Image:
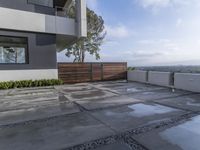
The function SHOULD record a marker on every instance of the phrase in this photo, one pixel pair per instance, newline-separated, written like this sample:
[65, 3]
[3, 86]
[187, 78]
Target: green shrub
[29, 83]
[131, 68]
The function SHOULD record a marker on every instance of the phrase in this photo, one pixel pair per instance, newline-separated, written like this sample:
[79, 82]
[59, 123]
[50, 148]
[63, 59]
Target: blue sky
[149, 32]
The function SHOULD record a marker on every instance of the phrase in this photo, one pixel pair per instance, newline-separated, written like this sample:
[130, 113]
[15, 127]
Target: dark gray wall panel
[41, 51]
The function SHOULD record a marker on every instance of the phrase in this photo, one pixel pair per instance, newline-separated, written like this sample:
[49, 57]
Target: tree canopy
[90, 44]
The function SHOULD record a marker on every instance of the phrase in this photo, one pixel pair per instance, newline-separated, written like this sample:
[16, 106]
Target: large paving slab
[110, 84]
[119, 84]
[158, 94]
[189, 102]
[21, 93]
[31, 101]
[74, 88]
[136, 115]
[4, 93]
[31, 90]
[107, 102]
[185, 136]
[89, 95]
[57, 133]
[135, 88]
[19, 110]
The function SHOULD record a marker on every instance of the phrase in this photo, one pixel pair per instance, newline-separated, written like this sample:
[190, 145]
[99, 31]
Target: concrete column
[81, 18]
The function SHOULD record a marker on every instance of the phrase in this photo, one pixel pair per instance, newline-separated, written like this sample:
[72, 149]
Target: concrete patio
[99, 116]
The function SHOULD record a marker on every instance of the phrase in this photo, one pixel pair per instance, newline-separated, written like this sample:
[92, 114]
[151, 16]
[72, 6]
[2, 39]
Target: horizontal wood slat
[89, 72]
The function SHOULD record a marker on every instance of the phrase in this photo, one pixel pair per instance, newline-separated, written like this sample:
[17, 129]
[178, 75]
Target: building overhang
[67, 30]
[62, 3]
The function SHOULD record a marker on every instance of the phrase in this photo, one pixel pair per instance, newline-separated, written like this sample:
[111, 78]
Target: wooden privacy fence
[89, 72]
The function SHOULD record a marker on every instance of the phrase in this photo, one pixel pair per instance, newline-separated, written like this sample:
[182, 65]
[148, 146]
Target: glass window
[48, 3]
[13, 50]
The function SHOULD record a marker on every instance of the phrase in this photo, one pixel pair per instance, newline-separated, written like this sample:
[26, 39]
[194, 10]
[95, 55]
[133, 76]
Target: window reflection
[13, 50]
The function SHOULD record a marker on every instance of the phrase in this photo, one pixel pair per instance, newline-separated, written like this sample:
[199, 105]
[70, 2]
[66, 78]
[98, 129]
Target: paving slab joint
[30, 122]
[126, 137]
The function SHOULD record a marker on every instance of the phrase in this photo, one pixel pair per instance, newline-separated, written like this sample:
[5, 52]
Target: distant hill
[181, 69]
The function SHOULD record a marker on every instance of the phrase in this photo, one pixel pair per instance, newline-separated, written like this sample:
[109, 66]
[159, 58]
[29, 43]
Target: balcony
[67, 29]
[12, 19]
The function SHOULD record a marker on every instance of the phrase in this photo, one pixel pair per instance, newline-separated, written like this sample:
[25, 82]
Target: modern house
[31, 33]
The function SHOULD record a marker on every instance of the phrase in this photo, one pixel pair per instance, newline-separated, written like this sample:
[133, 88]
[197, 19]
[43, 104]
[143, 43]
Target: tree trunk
[82, 53]
[83, 56]
[16, 55]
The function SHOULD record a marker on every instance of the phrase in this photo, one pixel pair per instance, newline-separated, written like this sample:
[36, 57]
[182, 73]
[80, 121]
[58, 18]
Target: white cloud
[111, 43]
[141, 54]
[179, 22]
[159, 47]
[146, 41]
[154, 3]
[154, 41]
[119, 31]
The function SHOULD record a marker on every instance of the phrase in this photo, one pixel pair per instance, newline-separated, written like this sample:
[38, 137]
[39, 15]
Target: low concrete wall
[17, 75]
[137, 75]
[187, 81]
[183, 81]
[160, 78]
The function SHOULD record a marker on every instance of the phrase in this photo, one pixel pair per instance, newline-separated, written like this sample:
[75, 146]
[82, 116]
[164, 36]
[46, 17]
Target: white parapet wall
[17, 75]
[160, 78]
[137, 75]
[13, 19]
[187, 81]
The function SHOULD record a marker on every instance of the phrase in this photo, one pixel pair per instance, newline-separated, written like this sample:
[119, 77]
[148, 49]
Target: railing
[89, 72]
[64, 12]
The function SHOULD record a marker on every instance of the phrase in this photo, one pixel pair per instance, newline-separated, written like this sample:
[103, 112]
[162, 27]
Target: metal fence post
[91, 72]
[102, 70]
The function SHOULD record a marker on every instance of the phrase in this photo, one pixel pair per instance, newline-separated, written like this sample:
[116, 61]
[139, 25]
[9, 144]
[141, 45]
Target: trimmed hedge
[29, 83]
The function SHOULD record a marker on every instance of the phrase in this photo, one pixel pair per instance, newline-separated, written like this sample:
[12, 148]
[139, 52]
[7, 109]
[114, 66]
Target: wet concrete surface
[28, 114]
[158, 94]
[133, 116]
[107, 102]
[89, 95]
[4, 92]
[189, 102]
[24, 109]
[184, 136]
[95, 116]
[53, 134]
[137, 88]
[30, 102]
[75, 88]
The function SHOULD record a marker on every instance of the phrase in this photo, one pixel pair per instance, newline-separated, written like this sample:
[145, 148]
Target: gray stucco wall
[138, 76]
[24, 5]
[160, 78]
[41, 51]
[187, 81]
